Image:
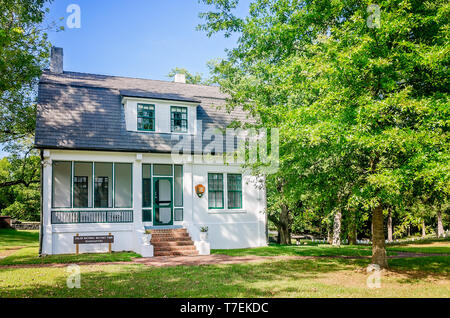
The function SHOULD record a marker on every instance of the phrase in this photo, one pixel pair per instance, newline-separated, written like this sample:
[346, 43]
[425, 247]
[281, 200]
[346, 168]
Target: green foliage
[24, 51]
[363, 112]
[21, 198]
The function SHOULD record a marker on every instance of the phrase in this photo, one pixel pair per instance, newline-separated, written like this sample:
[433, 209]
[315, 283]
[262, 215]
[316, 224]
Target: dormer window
[179, 121]
[146, 117]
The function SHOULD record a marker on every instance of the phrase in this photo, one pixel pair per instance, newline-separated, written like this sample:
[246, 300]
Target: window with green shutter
[234, 187]
[179, 119]
[215, 190]
[146, 117]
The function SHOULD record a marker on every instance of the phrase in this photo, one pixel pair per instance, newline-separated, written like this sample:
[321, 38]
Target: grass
[436, 246]
[301, 250]
[30, 255]
[325, 277]
[320, 277]
[11, 238]
[22, 247]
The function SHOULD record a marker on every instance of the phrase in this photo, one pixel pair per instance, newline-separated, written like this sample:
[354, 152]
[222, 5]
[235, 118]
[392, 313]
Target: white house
[107, 147]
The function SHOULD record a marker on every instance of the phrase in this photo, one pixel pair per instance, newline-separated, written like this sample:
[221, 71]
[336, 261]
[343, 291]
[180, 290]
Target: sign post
[78, 246]
[95, 239]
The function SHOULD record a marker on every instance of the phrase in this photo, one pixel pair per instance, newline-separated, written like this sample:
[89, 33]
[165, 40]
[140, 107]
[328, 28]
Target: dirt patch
[8, 251]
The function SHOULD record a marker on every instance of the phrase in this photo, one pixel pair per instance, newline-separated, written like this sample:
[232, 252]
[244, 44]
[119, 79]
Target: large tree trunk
[352, 228]
[389, 226]
[440, 227]
[424, 233]
[329, 240]
[337, 228]
[284, 233]
[378, 241]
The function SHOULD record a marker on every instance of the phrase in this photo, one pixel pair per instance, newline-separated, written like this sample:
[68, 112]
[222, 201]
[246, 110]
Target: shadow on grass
[269, 279]
[305, 250]
[11, 237]
[30, 256]
[236, 280]
[422, 267]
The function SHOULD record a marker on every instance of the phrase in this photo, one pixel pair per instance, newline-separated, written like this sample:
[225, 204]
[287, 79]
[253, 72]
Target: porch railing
[108, 216]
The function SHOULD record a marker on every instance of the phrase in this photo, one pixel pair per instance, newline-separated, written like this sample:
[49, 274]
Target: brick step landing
[172, 242]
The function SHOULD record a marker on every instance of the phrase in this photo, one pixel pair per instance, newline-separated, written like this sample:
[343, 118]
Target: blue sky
[137, 38]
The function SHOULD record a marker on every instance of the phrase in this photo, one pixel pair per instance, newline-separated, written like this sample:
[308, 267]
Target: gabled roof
[84, 111]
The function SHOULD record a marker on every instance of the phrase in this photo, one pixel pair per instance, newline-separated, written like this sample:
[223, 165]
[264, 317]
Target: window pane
[178, 185]
[234, 187]
[215, 190]
[103, 185]
[82, 185]
[179, 119]
[122, 185]
[61, 196]
[162, 170]
[178, 214]
[146, 186]
[146, 117]
[147, 215]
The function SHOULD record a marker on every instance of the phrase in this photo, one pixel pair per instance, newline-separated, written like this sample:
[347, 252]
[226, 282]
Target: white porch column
[47, 247]
[187, 194]
[141, 242]
[137, 192]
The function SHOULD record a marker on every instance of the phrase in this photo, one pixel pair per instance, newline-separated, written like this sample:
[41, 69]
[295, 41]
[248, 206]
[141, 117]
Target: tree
[24, 51]
[344, 92]
[20, 200]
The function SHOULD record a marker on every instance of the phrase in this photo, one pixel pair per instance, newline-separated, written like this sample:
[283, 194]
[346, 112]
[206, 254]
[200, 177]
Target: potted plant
[203, 233]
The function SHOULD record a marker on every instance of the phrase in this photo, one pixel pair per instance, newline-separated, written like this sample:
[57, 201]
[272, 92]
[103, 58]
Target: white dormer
[148, 115]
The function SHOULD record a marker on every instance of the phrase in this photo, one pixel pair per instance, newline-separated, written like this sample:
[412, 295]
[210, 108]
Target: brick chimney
[56, 60]
[180, 78]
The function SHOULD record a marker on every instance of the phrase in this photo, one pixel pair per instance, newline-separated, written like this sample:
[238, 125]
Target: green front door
[163, 201]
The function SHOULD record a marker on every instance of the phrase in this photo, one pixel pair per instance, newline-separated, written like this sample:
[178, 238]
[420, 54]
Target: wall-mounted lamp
[200, 190]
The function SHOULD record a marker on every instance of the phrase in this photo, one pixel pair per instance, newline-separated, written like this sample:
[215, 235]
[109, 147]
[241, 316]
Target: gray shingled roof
[84, 111]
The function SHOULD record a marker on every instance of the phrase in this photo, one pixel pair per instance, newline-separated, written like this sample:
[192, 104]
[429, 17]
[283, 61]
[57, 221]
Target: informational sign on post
[93, 239]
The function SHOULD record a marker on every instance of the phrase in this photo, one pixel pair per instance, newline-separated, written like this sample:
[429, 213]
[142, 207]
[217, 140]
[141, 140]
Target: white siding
[227, 228]
[162, 114]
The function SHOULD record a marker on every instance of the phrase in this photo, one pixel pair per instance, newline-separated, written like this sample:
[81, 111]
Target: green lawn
[30, 255]
[436, 246]
[325, 277]
[320, 277]
[301, 250]
[22, 247]
[11, 238]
